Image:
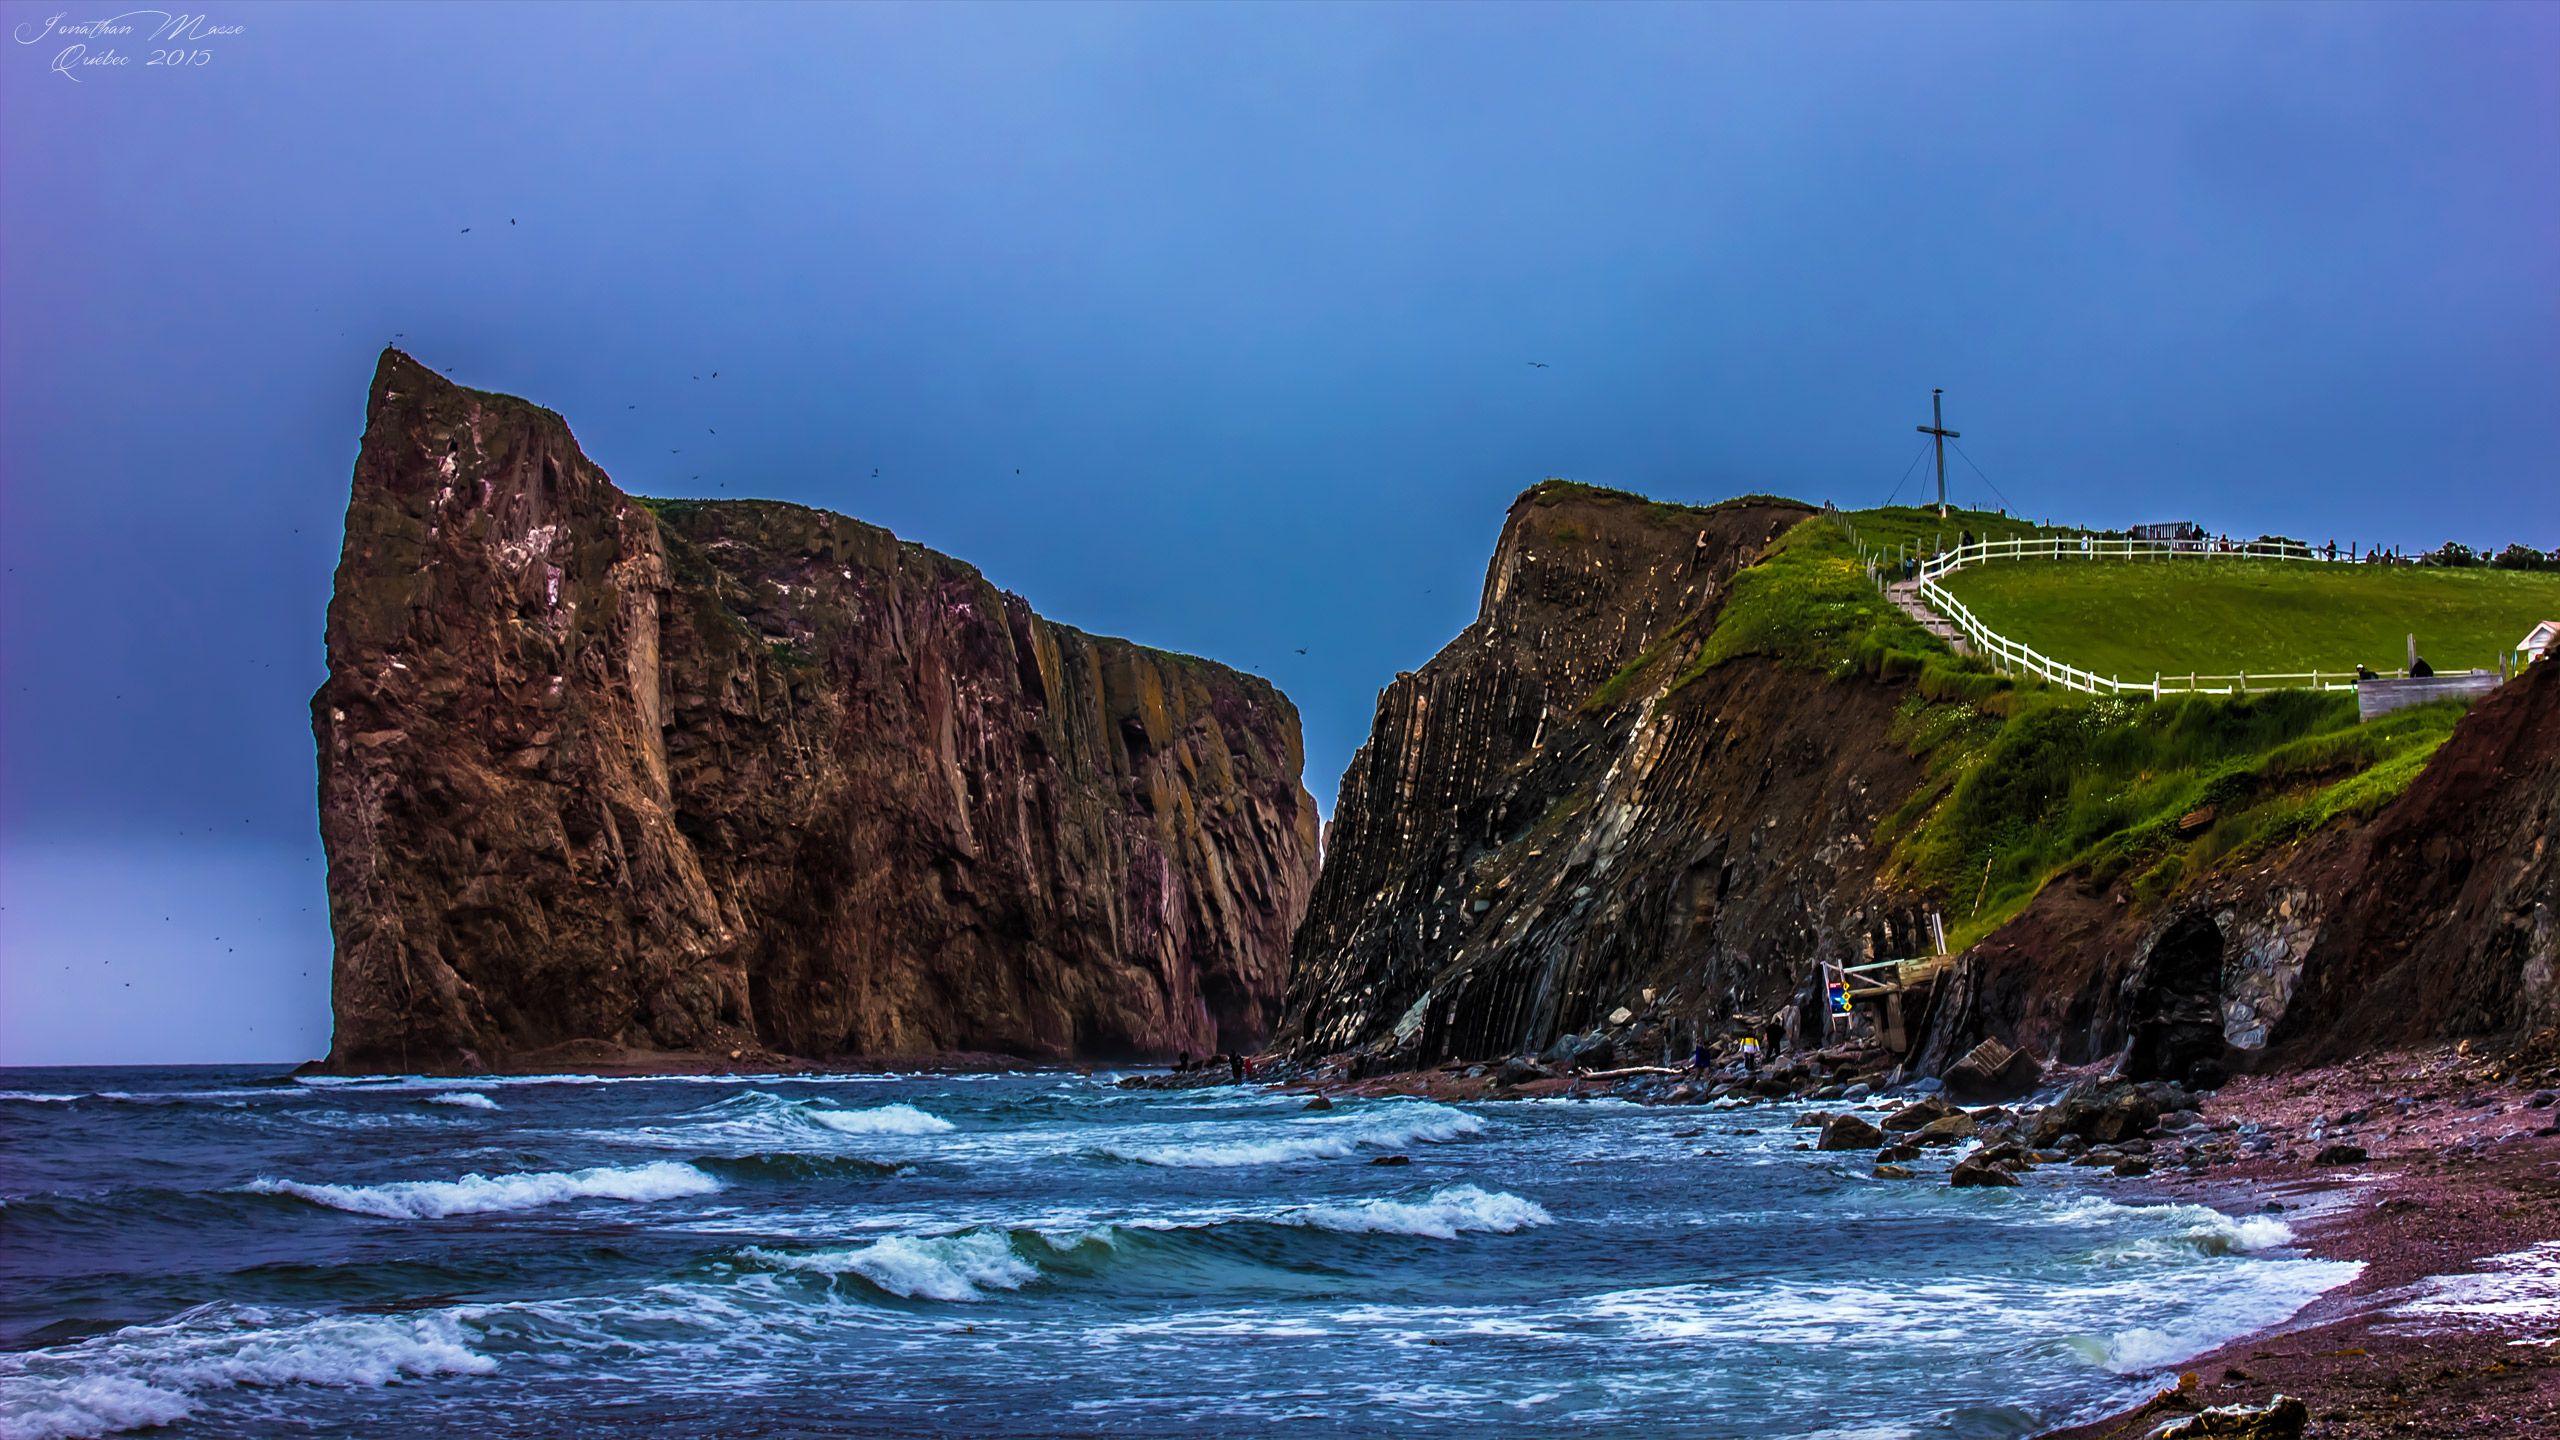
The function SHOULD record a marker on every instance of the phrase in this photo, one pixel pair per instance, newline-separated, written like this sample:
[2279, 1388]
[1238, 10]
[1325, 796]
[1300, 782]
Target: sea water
[233, 1252]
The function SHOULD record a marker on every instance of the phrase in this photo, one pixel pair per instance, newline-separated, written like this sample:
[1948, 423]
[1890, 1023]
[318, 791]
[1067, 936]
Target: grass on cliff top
[2217, 615]
[2026, 783]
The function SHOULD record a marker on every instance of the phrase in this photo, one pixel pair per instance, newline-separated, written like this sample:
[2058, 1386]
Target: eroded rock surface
[701, 776]
[1517, 856]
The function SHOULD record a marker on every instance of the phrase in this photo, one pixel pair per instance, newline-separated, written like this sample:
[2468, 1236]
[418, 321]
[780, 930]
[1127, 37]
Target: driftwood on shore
[1628, 1070]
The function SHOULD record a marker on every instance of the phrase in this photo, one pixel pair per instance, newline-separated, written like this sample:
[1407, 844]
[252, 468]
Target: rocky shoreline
[2437, 1169]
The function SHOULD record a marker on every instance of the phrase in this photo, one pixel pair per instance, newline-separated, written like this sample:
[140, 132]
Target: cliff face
[2438, 918]
[741, 774]
[1555, 822]
[1510, 862]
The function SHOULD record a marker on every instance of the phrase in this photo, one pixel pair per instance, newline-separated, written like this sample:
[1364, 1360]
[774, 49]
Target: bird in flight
[466, 229]
[1537, 364]
[1302, 649]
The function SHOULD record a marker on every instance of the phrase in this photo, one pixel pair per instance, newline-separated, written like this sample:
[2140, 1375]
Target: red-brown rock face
[697, 776]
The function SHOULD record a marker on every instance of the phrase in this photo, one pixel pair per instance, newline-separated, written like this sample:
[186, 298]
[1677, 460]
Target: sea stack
[601, 775]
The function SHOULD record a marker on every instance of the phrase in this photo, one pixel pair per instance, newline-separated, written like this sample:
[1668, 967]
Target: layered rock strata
[1515, 856]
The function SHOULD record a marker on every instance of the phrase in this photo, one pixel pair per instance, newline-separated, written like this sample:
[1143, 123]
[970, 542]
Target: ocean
[234, 1252]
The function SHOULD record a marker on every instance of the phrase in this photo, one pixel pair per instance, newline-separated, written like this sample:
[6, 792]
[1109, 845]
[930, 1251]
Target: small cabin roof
[2541, 636]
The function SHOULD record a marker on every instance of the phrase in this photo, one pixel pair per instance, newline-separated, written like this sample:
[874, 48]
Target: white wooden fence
[2014, 656]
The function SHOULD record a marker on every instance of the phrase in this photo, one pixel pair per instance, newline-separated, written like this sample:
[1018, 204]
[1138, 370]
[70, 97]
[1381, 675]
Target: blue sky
[1248, 297]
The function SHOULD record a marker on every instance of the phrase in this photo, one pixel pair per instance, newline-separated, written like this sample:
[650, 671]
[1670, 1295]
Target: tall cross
[1938, 426]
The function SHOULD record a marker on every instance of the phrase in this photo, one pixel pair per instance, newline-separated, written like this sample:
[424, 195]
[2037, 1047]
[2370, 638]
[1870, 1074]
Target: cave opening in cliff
[2177, 1012]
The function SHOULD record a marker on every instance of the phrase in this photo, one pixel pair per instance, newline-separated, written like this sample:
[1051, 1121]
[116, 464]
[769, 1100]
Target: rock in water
[1849, 1132]
[695, 776]
[1975, 1170]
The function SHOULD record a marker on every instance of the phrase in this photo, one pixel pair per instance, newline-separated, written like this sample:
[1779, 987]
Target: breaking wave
[955, 1268]
[761, 1121]
[151, 1375]
[879, 1120]
[963, 1266]
[1393, 1128]
[480, 1194]
[2199, 1228]
[465, 1099]
[1442, 1215]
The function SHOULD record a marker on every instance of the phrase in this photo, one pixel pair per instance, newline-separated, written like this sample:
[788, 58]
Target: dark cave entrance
[2177, 1014]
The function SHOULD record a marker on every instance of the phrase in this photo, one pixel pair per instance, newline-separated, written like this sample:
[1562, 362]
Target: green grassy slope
[2027, 783]
[2216, 615]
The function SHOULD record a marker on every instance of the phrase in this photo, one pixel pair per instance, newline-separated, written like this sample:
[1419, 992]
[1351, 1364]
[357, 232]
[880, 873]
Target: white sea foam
[465, 1099]
[1332, 1138]
[761, 1120]
[31, 1097]
[880, 1120]
[2261, 1294]
[477, 1194]
[150, 1375]
[2200, 1227]
[2517, 1290]
[956, 1268]
[1442, 1215]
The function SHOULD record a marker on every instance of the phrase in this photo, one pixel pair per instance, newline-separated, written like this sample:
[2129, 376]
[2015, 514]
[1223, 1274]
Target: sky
[1212, 327]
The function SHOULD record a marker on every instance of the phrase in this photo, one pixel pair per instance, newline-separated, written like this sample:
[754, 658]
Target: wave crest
[1444, 1214]
[150, 1375]
[478, 1194]
[464, 1099]
[1393, 1128]
[957, 1268]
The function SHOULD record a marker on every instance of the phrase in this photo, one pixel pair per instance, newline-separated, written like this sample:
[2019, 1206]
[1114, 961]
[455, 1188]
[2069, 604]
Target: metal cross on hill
[1938, 426]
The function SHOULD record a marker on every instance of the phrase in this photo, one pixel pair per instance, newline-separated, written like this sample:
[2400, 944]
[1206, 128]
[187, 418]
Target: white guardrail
[2011, 654]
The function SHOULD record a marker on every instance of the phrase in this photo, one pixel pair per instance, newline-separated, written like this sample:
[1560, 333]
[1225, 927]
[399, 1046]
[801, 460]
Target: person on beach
[1235, 1067]
[1698, 1059]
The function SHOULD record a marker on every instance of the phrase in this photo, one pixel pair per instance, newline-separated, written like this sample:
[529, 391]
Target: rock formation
[1516, 856]
[704, 776]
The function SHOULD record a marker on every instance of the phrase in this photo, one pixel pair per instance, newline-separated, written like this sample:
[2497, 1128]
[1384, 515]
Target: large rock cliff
[697, 776]
[1516, 854]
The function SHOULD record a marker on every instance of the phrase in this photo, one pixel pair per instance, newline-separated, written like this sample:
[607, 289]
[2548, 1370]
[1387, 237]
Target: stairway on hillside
[1905, 594]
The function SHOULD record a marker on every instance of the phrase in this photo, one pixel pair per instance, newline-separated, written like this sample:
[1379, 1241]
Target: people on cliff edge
[2364, 672]
[2421, 669]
